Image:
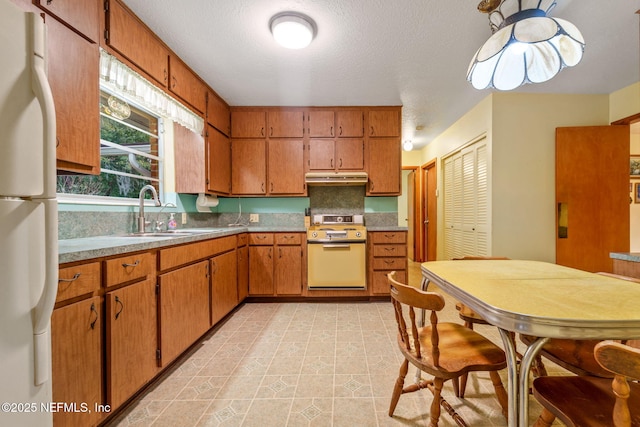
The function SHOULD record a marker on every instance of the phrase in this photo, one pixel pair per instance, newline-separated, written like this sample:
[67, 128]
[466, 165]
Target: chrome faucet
[142, 223]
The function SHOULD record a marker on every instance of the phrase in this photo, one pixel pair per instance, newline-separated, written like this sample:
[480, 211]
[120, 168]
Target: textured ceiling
[413, 53]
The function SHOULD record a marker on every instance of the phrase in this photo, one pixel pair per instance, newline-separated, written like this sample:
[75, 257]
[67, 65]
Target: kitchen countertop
[72, 250]
[625, 256]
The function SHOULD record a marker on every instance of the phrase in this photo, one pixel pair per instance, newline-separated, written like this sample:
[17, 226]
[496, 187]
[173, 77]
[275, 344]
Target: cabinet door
[219, 162]
[186, 85]
[189, 160]
[248, 124]
[384, 166]
[73, 67]
[82, 15]
[288, 270]
[218, 114]
[243, 273]
[321, 124]
[131, 38]
[183, 300]
[261, 270]
[132, 340]
[286, 167]
[76, 348]
[224, 285]
[350, 154]
[321, 154]
[249, 172]
[350, 123]
[384, 123]
[286, 124]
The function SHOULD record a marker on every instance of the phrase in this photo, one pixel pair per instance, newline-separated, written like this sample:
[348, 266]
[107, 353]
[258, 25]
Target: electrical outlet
[254, 218]
[184, 218]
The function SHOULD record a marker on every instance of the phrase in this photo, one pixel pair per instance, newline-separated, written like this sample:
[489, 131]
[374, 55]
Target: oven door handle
[337, 245]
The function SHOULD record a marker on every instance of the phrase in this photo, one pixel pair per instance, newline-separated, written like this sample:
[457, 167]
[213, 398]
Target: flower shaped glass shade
[526, 47]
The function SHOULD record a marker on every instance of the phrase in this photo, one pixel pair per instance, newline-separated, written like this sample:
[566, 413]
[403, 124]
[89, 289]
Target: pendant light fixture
[293, 30]
[527, 45]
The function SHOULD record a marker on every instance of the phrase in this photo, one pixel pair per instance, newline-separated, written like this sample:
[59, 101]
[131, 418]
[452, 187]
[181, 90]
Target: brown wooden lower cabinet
[288, 270]
[224, 285]
[77, 376]
[131, 320]
[276, 264]
[243, 267]
[387, 252]
[183, 299]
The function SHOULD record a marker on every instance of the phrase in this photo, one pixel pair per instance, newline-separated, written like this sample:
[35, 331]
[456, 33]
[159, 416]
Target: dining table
[540, 299]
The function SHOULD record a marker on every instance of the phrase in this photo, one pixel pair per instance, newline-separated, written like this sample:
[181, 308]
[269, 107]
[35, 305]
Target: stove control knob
[358, 234]
[314, 234]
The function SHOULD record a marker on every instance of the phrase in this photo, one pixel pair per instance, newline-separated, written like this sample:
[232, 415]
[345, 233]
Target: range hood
[336, 178]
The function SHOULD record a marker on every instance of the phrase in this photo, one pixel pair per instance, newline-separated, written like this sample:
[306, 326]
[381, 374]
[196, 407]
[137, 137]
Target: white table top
[542, 299]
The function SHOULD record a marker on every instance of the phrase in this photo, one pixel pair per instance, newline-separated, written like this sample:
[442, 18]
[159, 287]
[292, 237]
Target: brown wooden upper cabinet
[286, 167]
[340, 154]
[349, 124]
[218, 113]
[321, 124]
[385, 169]
[73, 68]
[81, 15]
[131, 38]
[248, 124]
[286, 124]
[186, 85]
[384, 123]
[249, 174]
[190, 163]
[218, 162]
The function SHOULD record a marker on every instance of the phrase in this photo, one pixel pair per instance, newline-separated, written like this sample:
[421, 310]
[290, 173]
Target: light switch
[184, 218]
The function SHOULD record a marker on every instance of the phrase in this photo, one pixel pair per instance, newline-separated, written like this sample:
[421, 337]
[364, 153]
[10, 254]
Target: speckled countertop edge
[626, 256]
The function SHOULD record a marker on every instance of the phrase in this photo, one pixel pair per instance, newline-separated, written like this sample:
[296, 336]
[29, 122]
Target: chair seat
[583, 401]
[467, 351]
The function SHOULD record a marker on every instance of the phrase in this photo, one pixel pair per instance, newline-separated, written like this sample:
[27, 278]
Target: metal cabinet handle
[340, 161]
[119, 301]
[262, 131]
[373, 132]
[331, 163]
[269, 253]
[390, 249]
[271, 131]
[262, 187]
[332, 131]
[340, 131]
[49, 2]
[73, 279]
[94, 311]
[280, 252]
[135, 264]
[272, 187]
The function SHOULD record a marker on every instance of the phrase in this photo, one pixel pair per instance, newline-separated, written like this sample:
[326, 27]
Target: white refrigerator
[28, 220]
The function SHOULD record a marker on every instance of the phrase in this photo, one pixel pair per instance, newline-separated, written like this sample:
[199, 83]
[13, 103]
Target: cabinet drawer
[389, 250]
[243, 239]
[389, 237]
[380, 283]
[257, 239]
[389, 263]
[127, 268]
[288, 239]
[185, 254]
[78, 280]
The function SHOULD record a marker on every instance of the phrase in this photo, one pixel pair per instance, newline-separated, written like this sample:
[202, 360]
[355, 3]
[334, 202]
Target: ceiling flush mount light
[407, 145]
[527, 46]
[293, 30]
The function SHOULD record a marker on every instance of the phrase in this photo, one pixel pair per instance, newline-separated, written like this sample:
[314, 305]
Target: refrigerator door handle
[42, 90]
[44, 308]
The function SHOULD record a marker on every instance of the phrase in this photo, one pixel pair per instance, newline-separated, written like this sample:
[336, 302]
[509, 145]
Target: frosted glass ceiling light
[292, 30]
[408, 145]
[527, 46]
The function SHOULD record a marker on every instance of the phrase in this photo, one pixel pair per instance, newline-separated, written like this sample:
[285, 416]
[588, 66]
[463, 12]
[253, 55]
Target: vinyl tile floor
[306, 364]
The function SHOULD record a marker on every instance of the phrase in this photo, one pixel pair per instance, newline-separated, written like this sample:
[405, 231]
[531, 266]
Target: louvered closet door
[466, 202]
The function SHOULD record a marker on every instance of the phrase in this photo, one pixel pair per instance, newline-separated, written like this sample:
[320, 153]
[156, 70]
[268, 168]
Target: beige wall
[625, 102]
[523, 167]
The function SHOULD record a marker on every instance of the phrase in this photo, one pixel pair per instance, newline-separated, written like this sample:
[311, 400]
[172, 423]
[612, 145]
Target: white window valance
[120, 79]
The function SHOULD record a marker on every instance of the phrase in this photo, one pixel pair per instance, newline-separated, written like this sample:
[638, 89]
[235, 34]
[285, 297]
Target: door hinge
[157, 289]
[158, 354]
[106, 35]
[106, 5]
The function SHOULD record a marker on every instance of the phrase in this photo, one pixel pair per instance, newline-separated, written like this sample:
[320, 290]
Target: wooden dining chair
[470, 318]
[444, 350]
[587, 401]
[574, 355]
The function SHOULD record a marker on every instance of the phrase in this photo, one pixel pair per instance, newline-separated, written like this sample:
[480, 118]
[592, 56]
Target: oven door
[337, 265]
